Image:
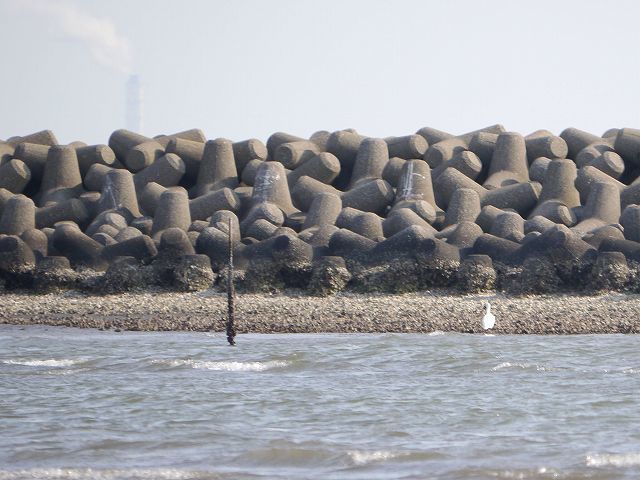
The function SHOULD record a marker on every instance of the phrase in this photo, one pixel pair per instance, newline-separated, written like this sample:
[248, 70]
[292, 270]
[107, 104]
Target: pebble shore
[298, 313]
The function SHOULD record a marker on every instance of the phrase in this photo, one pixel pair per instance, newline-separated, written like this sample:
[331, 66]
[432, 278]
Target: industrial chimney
[134, 104]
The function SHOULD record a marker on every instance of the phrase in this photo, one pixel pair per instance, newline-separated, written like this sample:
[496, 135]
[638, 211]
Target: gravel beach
[297, 313]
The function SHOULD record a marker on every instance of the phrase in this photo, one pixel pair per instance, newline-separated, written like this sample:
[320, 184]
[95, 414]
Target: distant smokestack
[134, 104]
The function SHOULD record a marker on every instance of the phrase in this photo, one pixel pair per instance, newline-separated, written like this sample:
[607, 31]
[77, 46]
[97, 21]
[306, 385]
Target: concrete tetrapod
[509, 161]
[463, 207]
[278, 138]
[217, 168]
[590, 153]
[271, 186]
[190, 153]
[371, 159]
[247, 150]
[324, 210]
[119, 193]
[18, 215]
[34, 157]
[608, 162]
[558, 195]
[141, 247]
[543, 143]
[61, 179]
[344, 144]
[538, 169]
[366, 224]
[576, 140]
[134, 150]
[167, 171]
[81, 250]
[465, 161]
[221, 220]
[265, 210]
[193, 134]
[37, 241]
[401, 218]
[16, 258]
[72, 210]
[597, 236]
[509, 225]
[589, 176]
[463, 235]
[206, 205]
[172, 212]
[324, 167]
[407, 147]
[43, 137]
[415, 183]
[602, 208]
[483, 144]
[521, 197]
[294, 154]
[392, 171]
[14, 175]
[347, 244]
[94, 154]
[627, 144]
[630, 220]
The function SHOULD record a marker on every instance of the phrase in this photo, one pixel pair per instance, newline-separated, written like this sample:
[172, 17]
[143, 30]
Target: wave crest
[104, 474]
[523, 366]
[224, 366]
[364, 458]
[52, 362]
[613, 460]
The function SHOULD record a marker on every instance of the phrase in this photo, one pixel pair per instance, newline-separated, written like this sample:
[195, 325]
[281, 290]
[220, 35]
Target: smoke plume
[106, 45]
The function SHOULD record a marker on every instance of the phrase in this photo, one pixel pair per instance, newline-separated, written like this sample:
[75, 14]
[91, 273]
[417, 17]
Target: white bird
[489, 319]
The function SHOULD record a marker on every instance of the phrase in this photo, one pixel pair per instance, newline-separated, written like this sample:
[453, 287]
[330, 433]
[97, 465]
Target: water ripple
[106, 474]
[52, 362]
[223, 366]
[181, 405]
[613, 460]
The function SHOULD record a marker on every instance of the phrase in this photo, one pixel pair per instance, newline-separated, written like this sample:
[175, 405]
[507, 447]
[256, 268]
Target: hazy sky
[241, 69]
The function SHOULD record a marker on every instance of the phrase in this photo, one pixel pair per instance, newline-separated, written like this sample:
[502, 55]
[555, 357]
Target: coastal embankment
[345, 312]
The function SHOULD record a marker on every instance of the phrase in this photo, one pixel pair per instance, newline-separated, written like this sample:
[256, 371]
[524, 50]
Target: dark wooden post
[231, 297]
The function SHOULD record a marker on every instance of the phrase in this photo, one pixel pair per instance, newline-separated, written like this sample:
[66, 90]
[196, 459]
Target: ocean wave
[613, 460]
[105, 474]
[224, 366]
[522, 366]
[52, 362]
[359, 457]
[631, 370]
[310, 455]
[518, 474]
[547, 368]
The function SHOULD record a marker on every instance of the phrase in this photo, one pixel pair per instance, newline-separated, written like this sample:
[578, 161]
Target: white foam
[52, 362]
[523, 366]
[225, 366]
[436, 333]
[103, 474]
[363, 458]
[613, 460]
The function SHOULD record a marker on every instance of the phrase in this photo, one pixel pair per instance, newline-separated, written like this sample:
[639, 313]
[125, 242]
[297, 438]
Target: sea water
[86, 404]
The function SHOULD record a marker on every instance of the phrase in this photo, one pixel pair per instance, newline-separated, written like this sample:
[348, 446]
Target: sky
[247, 68]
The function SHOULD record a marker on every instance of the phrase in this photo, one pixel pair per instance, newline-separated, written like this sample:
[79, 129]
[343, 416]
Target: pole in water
[231, 307]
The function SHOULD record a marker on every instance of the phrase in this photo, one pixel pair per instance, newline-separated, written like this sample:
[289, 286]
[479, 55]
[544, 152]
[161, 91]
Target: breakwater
[488, 209]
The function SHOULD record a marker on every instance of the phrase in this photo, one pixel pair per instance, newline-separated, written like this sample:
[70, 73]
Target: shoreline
[294, 312]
